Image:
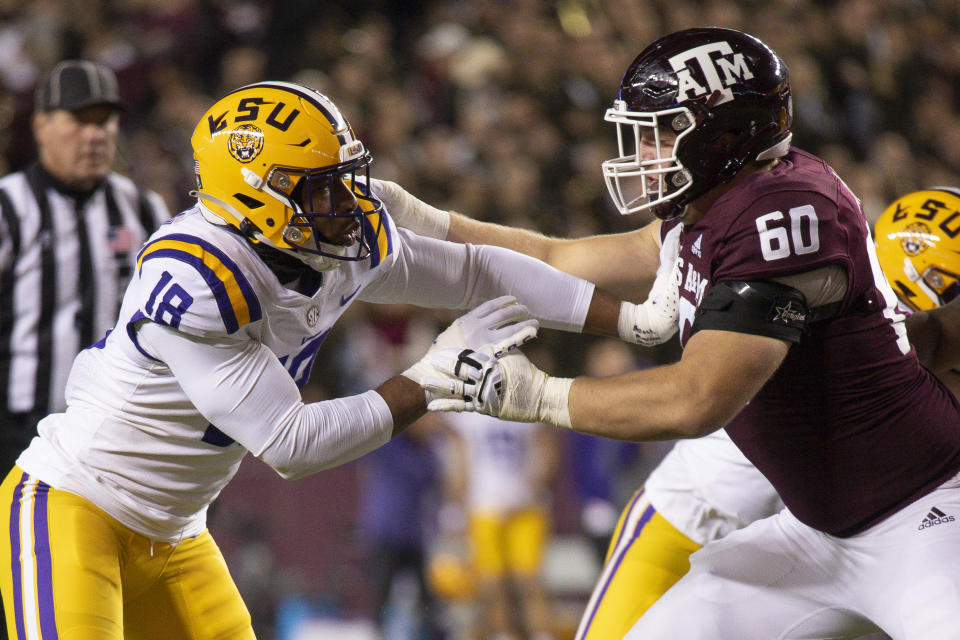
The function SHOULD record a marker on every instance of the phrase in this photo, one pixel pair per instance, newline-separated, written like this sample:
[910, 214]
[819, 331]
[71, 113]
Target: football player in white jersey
[918, 246]
[220, 325]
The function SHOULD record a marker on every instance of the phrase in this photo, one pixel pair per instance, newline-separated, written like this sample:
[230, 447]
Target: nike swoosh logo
[345, 299]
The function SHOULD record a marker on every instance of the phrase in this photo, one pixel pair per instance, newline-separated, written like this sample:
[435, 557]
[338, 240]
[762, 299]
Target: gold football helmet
[275, 159]
[918, 244]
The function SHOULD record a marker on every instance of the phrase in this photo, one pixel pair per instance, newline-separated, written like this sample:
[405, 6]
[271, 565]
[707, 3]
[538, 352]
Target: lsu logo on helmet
[915, 239]
[245, 142]
[269, 158]
[918, 246]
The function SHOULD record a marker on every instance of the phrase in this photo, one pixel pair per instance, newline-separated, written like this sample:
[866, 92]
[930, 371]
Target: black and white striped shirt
[65, 260]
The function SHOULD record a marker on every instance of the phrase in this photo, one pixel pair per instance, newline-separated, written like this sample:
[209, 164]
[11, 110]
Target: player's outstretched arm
[446, 274]
[239, 386]
[624, 264]
[719, 373]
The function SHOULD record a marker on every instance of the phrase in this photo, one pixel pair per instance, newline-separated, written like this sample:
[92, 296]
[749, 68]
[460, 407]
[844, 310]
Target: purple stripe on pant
[617, 559]
[48, 623]
[15, 555]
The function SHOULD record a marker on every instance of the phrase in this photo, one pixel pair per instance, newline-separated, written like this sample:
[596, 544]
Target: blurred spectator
[607, 471]
[862, 69]
[509, 472]
[399, 485]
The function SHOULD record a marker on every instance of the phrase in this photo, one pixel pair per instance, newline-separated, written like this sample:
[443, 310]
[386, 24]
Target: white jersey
[706, 488]
[500, 461]
[153, 440]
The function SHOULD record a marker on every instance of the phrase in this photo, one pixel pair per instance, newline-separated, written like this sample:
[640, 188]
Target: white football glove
[410, 212]
[450, 374]
[494, 327]
[510, 388]
[657, 319]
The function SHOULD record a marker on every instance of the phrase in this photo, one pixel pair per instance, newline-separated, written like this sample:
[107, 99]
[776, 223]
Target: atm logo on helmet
[718, 72]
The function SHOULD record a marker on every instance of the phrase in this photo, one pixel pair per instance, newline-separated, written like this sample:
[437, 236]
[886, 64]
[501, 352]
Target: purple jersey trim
[217, 286]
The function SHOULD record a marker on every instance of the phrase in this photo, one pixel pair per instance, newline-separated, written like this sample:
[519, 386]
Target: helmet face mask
[726, 97]
[280, 163]
[918, 246]
[325, 210]
[647, 170]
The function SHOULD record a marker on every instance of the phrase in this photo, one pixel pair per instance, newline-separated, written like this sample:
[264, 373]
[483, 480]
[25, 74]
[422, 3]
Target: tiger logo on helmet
[918, 246]
[245, 142]
[269, 158]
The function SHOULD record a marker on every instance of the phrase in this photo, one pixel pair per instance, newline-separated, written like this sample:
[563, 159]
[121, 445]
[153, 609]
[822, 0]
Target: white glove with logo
[495, 327]
[409, 212]
[657, 319]
[510, 388]
[450, 375]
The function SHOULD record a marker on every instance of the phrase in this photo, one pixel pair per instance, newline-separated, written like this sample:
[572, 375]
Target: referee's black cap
[76, 84]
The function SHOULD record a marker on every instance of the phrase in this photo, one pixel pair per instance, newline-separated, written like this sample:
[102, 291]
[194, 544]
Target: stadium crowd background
[489, 107]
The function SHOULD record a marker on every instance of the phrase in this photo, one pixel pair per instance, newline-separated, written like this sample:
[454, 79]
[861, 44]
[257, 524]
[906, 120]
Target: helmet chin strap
[209, 215]
[776, 151]
[914, 276]
[315, 261]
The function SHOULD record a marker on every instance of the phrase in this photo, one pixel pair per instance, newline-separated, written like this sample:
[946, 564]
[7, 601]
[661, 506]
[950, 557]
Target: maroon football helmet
[700, 104]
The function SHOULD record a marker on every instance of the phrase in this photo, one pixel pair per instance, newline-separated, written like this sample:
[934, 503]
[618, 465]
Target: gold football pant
[647, 555]
[508, 543]
[73, 572]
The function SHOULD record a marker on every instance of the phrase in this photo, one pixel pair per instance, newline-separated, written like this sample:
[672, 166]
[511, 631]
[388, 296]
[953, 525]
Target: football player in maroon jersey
[792, 342]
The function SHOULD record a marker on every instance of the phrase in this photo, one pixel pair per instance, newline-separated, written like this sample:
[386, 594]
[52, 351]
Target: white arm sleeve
[437, 273]
[241, 388]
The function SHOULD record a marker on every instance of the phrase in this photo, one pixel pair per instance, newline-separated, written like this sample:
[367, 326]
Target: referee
[70, 230]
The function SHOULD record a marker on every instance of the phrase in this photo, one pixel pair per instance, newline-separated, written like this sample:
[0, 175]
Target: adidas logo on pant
[934, 518]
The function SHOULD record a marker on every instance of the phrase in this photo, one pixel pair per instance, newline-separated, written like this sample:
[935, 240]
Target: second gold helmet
[918, 245]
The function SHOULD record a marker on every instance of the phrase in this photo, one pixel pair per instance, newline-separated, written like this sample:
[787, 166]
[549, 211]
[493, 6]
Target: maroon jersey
[851, 427]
